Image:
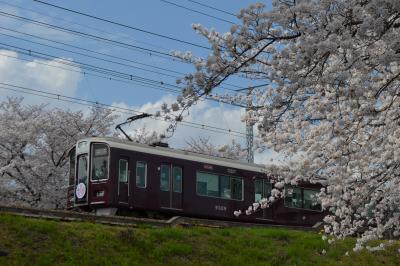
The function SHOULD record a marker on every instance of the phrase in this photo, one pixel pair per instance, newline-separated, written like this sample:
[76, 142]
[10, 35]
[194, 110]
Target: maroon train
[109, 175]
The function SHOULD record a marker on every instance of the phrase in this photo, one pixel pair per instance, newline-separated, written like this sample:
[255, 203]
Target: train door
[123, 180]
[171, 181]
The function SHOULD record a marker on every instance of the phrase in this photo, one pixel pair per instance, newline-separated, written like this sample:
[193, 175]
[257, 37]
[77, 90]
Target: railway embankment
[37, 241]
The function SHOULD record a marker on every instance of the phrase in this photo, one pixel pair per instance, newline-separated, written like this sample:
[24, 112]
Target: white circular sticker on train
[80, 190]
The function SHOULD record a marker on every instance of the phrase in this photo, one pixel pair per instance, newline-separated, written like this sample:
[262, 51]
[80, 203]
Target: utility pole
[249, 130]
[249, 125]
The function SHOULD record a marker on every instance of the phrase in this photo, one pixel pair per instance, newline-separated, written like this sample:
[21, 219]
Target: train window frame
[219, 186]
[302, 198]
[145, 174]
[173, 179]
[91, 161]
[166, 188]
[125, 180]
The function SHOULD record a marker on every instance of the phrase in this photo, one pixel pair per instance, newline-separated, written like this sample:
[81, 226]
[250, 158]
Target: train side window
[258, 190]
[293, 197]
[237, 188]
[262, 189]
[123, 171]
[310, 200]
[207, 184]
[177, 179]
[141, 174]
[225, 187]
[164, 177]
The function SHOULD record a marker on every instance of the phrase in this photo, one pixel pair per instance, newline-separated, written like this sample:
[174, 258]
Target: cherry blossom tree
[330, 104]
[34, 146]
[203, 145]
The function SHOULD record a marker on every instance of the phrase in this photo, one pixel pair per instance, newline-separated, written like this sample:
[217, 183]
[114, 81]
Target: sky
[52, 50]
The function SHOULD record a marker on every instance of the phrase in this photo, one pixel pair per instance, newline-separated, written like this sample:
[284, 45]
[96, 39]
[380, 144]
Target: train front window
[82, 169]
[99, 162]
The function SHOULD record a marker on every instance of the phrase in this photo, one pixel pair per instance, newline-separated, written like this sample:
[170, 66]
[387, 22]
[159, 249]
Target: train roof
[179, 154]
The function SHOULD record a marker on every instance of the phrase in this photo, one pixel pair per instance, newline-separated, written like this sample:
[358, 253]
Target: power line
[196, 11]
[123, 25]
[89, 56]
[106, 40]
[153, 86]
[91, 51]
[107, 55]
[90, 67]
[76, 23]
[98, 38]
[117, 78]
[102, 59]
[125, 110]
[212, 7]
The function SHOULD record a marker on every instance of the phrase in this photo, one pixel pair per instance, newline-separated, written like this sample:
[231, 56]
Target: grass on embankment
[43, 242]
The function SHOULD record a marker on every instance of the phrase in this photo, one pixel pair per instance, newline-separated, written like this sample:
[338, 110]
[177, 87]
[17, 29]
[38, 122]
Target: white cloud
[37, 74]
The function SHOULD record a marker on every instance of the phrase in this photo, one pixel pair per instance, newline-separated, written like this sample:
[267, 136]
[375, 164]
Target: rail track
[183, 221]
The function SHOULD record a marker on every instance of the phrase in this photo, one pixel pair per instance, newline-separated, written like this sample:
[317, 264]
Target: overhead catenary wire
[125, 110]
[123, 25]
[212, 7]
[98, 38]
[196, 11]
[90, 67]
[91, 51]
[153, 85]
[131, 82]
[89, 56]
[106, 40]
[102, 54]
[76, 23]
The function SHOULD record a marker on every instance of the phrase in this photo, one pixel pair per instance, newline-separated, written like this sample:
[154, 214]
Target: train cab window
[164, 177]
[310, 200]
[99, 162]
[177, 179]
[293, 197]
[123, 171]
[262, 189]
[141, 174]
